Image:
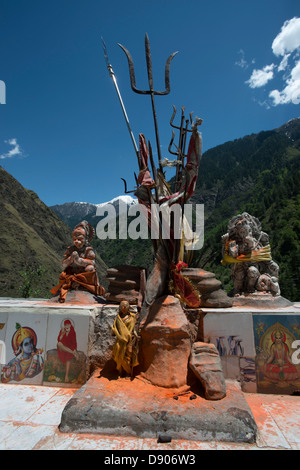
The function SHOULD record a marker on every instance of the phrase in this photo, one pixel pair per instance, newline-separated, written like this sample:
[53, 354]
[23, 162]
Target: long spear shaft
[112, 74]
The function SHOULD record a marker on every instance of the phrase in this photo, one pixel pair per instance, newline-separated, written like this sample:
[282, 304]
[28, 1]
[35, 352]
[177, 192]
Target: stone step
[127, 407]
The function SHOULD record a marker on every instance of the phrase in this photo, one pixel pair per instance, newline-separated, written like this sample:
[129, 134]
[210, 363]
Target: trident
[151, 91]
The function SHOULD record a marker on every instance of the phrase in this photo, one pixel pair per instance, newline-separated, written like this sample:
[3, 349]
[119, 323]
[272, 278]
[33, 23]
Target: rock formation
[126, 283]
[206, 364]
[210, 288]
[165, 344]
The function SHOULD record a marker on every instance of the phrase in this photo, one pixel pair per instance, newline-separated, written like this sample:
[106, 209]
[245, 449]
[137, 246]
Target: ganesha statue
[247, 249]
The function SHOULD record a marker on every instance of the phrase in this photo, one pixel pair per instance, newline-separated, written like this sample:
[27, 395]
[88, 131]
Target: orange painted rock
[165, 344]
[210, 288]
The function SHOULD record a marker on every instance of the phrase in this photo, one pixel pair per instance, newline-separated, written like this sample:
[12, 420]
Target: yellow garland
[260, 254]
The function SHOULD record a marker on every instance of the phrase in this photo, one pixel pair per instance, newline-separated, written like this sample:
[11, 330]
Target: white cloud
[288, 40]
[286, 46]
[14, 151]
[261, 77]
[242, 62]
[284, 63]
[291, 93]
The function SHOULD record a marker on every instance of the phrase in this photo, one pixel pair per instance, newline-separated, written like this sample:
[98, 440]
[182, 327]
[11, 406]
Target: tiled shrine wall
[259, 348]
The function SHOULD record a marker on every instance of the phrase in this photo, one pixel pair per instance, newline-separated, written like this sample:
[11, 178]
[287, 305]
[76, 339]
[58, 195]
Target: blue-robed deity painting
[28, 361]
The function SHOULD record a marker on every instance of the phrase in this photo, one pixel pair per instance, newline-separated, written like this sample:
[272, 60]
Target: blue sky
[62, 131]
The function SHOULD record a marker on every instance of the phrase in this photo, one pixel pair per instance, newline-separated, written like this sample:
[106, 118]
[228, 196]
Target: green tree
[31, 278]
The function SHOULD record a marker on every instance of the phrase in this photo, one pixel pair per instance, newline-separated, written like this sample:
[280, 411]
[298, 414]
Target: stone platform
[125, 407]
[261, 300]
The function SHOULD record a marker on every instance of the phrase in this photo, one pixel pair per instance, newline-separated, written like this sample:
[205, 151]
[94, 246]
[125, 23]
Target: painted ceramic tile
[277, 353]
[3, 325]
[67, 348]
[25, 345]
[231, 333]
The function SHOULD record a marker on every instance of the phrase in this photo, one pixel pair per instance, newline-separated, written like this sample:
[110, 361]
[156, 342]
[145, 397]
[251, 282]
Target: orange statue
[79, 271]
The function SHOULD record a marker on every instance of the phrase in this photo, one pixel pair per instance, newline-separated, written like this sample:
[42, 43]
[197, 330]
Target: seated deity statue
[247, 249]
[80, 257]
[79, 269]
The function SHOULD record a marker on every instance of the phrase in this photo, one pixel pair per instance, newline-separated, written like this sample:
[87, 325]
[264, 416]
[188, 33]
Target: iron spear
[112, 74]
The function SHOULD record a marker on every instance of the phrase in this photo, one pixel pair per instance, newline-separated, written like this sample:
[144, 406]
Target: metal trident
[181, 144]
[182, 141]
[151, 91]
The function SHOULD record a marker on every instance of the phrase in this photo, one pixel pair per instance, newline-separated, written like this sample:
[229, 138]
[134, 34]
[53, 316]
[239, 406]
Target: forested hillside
[259, 174]
[33, 241]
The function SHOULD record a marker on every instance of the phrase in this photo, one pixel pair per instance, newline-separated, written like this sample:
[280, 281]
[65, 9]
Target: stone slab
[261, 300]
[125, 407]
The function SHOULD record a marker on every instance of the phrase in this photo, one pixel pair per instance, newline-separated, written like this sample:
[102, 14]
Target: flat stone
[261, 300]
[78, 297]
[124, 284]
[216, 299]
[206, 364]
[125, 271]
[122, 407]
[208, 285]
[197, 274]
[132, 296]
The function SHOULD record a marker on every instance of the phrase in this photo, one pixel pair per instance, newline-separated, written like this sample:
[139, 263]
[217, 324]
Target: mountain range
[71, 212]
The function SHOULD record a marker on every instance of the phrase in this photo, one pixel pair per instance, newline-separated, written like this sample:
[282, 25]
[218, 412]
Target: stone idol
[78, 281]
[255, 275]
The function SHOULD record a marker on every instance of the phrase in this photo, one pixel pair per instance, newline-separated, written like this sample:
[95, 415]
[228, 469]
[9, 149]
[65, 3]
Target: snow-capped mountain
[74, 212]
[120, 203]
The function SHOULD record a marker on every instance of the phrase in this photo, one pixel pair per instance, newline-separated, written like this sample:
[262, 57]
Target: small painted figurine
[80, 257]
[125, 349]
[79, 270]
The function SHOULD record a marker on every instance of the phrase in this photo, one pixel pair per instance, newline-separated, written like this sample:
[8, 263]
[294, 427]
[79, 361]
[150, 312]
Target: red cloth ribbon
[184, 288]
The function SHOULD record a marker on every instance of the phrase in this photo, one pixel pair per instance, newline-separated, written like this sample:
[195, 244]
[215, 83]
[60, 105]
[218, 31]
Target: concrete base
[125, 407]
[79, 297]
[261, 300]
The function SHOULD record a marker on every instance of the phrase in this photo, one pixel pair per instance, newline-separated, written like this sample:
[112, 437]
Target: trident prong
[151, 90]
[180, 148]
